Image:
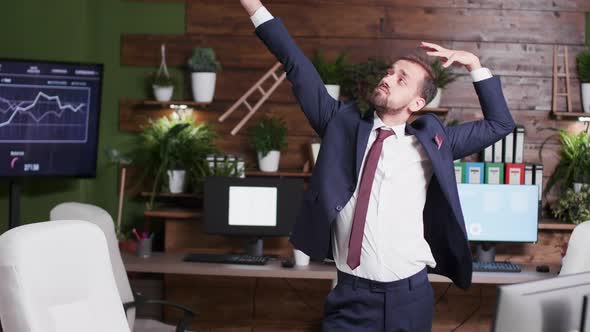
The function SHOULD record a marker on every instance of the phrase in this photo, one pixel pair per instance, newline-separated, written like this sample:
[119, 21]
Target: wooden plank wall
[513, 38]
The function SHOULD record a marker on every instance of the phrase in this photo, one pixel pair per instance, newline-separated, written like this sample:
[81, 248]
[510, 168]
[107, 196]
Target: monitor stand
[486, 252]
[254, 247]
[14, 204]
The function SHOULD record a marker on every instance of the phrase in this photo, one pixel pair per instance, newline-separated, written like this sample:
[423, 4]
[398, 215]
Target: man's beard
[379, 100]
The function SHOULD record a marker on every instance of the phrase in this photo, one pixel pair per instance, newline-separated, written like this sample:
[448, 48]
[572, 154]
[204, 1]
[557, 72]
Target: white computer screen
[503, 213]
[252, 206]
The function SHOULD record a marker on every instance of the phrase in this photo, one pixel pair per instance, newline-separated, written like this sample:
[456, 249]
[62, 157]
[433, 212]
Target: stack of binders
[503, 163]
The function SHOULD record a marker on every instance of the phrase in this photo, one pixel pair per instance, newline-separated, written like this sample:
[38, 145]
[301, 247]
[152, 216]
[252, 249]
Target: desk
[171, 263]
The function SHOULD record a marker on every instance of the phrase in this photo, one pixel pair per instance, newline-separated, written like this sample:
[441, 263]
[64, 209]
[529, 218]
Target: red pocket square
[439, 140]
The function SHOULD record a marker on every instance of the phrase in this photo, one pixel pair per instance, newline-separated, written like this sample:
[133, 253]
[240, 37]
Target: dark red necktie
[362, 203]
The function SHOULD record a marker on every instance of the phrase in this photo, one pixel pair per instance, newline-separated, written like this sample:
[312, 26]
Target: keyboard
[495, 267]
[226, 259]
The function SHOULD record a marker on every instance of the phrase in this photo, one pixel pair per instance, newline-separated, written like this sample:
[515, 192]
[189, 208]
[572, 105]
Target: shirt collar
[399, 130]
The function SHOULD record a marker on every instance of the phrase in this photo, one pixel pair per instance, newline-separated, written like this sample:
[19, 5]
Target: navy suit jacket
[345, 134]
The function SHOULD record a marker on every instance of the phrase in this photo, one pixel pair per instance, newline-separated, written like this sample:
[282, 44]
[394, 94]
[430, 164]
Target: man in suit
[383, 199]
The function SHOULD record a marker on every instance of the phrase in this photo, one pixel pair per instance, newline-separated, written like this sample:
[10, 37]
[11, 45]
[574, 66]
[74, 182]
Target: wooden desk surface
[171, 263]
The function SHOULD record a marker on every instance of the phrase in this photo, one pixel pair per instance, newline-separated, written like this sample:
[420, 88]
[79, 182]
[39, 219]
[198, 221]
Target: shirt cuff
[260, 16]
[480, 74]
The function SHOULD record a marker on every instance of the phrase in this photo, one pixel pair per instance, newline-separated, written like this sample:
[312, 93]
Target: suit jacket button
[339, 208]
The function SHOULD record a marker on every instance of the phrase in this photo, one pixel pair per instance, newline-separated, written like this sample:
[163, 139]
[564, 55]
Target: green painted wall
[84, 31]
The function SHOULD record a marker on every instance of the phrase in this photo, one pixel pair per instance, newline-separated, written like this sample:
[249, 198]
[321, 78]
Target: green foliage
[162, 79]
[174, 143]
[583, 62]
[573, 207]
[361, 80]
[330, 72]
[203, 61]
[268, 134]
[574, 163]
[442, 75]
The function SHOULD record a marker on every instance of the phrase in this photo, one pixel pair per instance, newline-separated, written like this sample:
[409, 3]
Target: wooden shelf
[570, 115]
[170, 195]
[552, 224]
[174, 213]
[283, 173]
[166, 104]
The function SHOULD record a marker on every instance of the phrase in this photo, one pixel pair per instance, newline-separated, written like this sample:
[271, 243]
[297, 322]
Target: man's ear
[417, 104]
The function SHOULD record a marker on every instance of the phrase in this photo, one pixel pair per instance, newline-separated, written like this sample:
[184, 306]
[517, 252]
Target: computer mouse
[543, 268]
[287, 262]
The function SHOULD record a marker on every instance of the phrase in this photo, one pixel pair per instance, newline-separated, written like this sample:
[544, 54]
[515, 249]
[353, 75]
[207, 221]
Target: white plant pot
[586, 97]
[176, 180]
[301, 259]
[579, 186]
[436, 101]
[203, 86]
[163, 93]
[333, 90]
[270, 162]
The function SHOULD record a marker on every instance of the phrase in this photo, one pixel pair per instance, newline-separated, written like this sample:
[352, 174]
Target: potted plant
[361, 79]
[162, 82]
[331, 73]
[175, 147]
[573, 169]
[583, 64]
[442, 78]
[268, 137]
[162, 86]
[204, 68]
[573, 207]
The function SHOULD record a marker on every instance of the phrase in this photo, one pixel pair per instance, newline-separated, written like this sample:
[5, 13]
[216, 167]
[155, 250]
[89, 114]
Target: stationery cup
[301, 259]
[144, 248]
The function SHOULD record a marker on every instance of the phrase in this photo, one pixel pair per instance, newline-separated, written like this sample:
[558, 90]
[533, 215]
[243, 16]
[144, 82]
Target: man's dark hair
[428, 89]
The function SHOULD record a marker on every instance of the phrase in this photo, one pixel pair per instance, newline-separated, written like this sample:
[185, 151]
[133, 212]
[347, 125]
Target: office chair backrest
[57, 277]
[101, 218]
[577, 259]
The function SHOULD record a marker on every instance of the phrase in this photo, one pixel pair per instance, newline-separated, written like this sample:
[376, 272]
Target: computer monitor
[585, 319]
[251, 207]
[49, 115]
[499, 213]
[553, 304]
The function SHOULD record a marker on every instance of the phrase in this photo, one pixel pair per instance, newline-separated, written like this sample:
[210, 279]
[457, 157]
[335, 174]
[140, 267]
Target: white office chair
[101, 218]
[577, 256]
[57, 277]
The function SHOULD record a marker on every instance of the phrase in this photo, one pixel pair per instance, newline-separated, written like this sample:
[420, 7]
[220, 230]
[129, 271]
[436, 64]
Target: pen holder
[144, 248]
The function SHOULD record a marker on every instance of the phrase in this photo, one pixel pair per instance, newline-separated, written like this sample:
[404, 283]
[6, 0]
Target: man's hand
[251, 6]
[450, 57]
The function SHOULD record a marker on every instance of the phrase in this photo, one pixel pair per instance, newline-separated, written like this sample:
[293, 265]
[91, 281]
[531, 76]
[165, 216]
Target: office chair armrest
[141, 300]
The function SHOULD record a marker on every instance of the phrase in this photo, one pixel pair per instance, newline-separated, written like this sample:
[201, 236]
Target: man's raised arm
[308, 88]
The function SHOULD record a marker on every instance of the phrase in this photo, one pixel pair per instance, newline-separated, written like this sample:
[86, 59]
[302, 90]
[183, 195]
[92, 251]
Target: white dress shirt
[393, 245]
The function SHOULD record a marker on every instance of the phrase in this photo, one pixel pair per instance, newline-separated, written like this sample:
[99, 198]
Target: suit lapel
[363, 131]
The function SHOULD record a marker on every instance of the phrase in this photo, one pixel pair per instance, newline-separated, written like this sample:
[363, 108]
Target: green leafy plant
[442, 76]
[361, 79]
[573, 207]
[268, 134]
[574, 163]
[203, 61]
[174, 143]
[162, 79]
[583, 64]
[331, 72]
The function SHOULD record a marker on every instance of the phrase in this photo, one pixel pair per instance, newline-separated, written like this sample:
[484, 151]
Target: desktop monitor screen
[500, 213]
[251, 206]
[49, 114]
[553, 304]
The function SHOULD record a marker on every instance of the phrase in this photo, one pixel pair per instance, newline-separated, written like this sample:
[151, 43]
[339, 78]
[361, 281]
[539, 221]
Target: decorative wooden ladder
[559, 75]
[271, 74]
